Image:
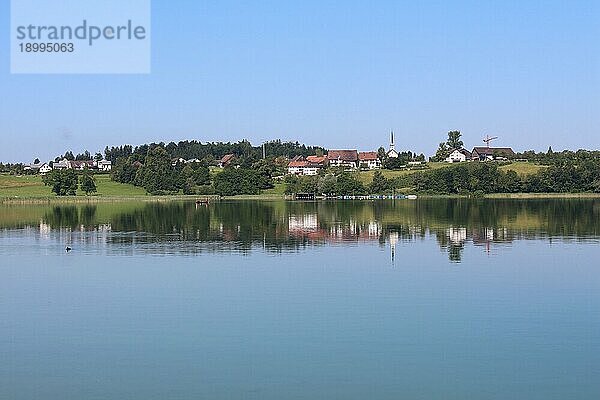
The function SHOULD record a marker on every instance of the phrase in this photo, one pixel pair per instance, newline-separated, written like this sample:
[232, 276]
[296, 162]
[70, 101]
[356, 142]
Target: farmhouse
[369, 160]
[62, 164]
[491, 153]
[299, 166]
[346, 159]
[45, 168]
[459, 155]
[104, 165]
[319, 160]
[226, 160]
[80, 165]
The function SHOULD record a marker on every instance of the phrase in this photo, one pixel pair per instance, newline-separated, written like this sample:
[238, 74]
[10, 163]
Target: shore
[264, 197]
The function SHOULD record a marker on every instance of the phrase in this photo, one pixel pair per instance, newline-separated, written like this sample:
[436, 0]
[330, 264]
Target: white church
[392, 153]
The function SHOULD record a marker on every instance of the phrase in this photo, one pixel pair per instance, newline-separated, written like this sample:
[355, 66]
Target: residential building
[299, 166]
[459, 155]
[491, 153]
[369, 160]
[62, 164]
[319, 160]
[226, 160]
[35, 167]
[346, 159]
[176, 161]
[80, 165]
[104, 165]
[45, 168]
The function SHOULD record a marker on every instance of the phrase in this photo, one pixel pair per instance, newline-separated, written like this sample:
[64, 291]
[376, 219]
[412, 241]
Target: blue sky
[335, 73]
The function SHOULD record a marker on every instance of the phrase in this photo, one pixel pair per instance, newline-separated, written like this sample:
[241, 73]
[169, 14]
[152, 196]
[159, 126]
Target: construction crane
[488, 139]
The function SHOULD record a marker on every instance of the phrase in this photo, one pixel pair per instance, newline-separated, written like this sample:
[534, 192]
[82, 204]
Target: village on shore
[347, 160]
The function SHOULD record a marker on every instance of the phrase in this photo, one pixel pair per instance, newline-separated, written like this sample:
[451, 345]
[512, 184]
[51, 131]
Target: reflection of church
[392, 153]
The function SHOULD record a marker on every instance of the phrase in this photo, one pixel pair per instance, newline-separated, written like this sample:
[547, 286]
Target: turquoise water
[418, 300]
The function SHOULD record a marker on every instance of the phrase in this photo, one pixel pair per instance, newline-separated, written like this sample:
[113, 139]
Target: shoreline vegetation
[271, 197]
[193, 170]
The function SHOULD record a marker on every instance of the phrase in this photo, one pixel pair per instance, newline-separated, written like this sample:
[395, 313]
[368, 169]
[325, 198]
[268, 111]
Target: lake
[426, 299]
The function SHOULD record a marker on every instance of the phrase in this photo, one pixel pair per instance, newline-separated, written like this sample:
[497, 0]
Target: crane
[488, 139]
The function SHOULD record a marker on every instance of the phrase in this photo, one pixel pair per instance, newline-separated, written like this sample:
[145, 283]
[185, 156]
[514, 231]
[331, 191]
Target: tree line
[485, 178]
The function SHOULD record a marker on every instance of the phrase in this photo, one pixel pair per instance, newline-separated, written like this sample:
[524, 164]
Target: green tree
[87, 183]
[379, 184]
[63, 182]
[454, 141]
[442, 152]
[157, 175]
[347, 184]
[234, 181]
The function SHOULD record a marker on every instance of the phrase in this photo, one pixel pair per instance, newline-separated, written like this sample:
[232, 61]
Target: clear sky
[335, 73]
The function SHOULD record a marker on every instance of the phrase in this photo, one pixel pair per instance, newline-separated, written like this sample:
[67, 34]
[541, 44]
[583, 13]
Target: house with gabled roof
[458, 155]
[368, 160]
[226, 160]
[347, 159]
[491, 153]
[300, 166]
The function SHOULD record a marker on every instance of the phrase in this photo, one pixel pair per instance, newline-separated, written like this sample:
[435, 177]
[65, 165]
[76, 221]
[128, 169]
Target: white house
[104, 165]
[369, 160]
[458, 155]
[45, 168]
[299, 166]
[62, 164]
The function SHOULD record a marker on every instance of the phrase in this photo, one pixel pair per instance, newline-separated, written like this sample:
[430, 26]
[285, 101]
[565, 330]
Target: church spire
[392, 145]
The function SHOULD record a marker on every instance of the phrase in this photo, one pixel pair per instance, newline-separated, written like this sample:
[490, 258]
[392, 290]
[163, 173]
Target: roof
[343, 155]
[493, 150]
[368, 156]
[79, 164]
[317, 159]
[227, 158]
[462, 151]
[299, 164]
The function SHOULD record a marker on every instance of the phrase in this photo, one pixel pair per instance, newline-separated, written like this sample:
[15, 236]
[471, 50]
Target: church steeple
[392, 153]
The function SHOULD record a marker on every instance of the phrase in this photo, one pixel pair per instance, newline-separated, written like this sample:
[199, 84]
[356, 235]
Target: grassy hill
[32, 187]
[523, 168]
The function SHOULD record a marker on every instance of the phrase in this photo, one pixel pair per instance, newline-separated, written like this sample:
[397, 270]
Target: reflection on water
[290, 300]
[241, 226]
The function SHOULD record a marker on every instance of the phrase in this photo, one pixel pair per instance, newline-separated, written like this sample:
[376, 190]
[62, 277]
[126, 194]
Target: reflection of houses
[346, 159]
[457, 236]
[369, 160]
[304, 222]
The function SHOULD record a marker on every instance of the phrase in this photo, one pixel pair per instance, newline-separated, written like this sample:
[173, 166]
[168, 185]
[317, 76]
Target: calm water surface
[427, 299]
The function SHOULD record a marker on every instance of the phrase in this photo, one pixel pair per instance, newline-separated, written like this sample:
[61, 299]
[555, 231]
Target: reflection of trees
[71, 217]
[282, 226]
